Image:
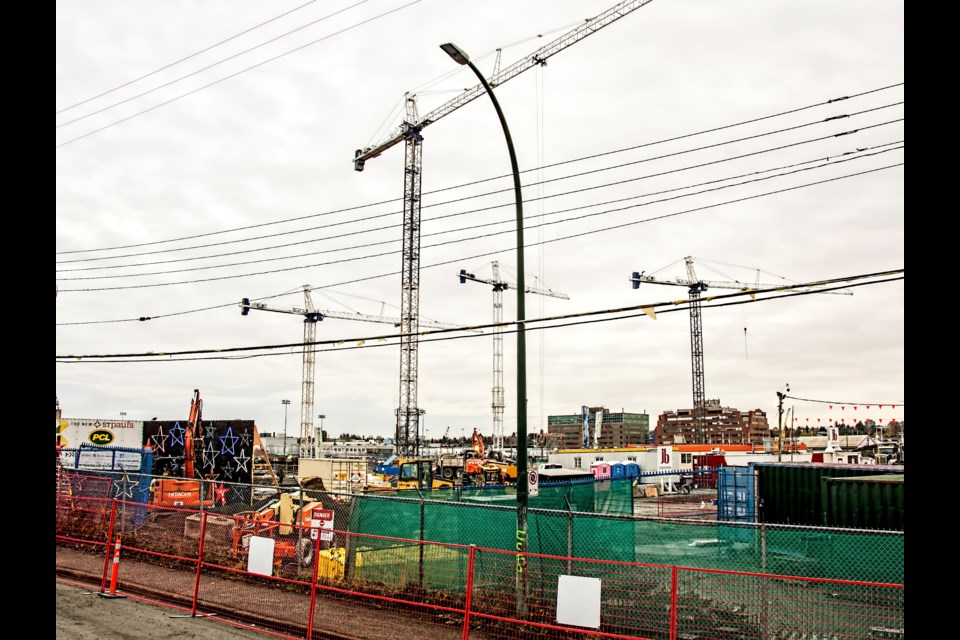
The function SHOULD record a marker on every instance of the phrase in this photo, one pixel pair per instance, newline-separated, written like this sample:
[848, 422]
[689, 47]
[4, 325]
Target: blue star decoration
[225, 448]
[176, 435]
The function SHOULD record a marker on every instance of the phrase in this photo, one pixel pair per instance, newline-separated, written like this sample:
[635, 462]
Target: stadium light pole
[286, 405]
[460, 57]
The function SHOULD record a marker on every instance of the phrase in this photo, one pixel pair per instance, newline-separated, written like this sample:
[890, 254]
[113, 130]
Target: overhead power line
[649, 309]
[233, 75]
[184, 59]
[569, 237]
[573, 160]
[467, 228]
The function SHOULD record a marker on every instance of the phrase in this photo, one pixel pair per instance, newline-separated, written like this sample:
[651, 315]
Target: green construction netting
[488, 519]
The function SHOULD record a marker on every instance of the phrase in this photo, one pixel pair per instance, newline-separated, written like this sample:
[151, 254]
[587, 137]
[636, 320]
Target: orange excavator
[488, 470]
[185, 491]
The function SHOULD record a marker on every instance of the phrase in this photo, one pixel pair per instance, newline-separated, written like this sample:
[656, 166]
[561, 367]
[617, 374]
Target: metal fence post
[763, 547]
[196, 579]
[348, 536]
[673, 603]
[106, 556]
[569, 535]
[468, 600]
[313, 584]
[420, 568]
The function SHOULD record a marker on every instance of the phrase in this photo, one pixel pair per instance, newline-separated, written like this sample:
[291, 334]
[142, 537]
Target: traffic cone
[114, 572]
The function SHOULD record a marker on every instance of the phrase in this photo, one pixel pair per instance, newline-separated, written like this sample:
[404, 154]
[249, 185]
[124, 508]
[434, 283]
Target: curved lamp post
[461, 57]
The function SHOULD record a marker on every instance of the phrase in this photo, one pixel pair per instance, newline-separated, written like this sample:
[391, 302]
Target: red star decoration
[221, 494]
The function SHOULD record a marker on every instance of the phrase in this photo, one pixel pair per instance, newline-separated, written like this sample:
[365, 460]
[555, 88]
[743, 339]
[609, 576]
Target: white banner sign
[102, 433]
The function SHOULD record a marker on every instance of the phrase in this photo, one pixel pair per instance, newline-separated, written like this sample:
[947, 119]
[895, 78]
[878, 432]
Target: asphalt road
[82, 614]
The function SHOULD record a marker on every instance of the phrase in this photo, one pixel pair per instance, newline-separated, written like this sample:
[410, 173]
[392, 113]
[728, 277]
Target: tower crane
[409, 133]
[311, 316]
[499, 286]
[696, 286]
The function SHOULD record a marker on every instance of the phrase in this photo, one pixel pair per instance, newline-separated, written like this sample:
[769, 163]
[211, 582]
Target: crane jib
[537, 58]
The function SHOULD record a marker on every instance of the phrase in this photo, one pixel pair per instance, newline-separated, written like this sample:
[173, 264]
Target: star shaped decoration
[176, 435]
[242, 460]
[210, 455]
[245, 438]
[232, 439]
[159, 440]
[123, 488]
[228, 472]
[221, 494]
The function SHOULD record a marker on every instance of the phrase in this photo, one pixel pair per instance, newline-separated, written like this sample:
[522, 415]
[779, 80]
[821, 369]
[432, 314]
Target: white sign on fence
[322, 519]
[533, 484]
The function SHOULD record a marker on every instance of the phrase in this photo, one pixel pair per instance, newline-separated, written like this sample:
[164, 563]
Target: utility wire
[461, 229]
[210, 66]
[233, 75]
[391, 213]
[647, 309]
[192, 55]
[496, 233]
[839, 403]
[688, 135]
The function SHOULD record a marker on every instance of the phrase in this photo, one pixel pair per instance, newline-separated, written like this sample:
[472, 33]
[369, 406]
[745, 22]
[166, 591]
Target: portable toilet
[631, 469]
[616, 470]
[600, 470]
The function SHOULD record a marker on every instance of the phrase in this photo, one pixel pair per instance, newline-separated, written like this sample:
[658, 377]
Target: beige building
[721, 425]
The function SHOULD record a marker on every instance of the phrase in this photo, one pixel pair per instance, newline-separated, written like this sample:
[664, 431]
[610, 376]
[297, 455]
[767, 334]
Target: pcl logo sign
[101, 437]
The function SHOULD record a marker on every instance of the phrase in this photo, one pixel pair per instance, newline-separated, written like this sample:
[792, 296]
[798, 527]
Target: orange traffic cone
[114, 572]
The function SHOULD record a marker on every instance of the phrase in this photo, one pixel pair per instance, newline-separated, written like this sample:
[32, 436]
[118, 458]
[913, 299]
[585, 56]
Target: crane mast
[499, 286]
[408, 414]
[696, 286]
[408, 132]
[310, 320]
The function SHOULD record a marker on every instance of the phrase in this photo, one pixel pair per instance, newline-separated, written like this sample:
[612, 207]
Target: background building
[616, 429]
[721, 425]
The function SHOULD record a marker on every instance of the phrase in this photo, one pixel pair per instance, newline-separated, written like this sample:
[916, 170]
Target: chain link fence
[452, 564]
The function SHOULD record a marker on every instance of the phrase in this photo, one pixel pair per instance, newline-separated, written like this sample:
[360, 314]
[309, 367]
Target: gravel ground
[82, 614]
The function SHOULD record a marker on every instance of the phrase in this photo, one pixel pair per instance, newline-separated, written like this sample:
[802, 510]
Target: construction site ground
[84, 615]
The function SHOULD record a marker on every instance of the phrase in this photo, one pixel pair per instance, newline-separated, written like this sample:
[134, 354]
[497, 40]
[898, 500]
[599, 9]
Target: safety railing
[311, 580]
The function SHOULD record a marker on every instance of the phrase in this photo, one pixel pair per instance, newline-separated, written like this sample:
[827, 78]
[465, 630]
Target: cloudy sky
[204, 154]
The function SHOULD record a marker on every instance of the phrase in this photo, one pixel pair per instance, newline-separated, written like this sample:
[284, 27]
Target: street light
[286, 404]
[781, 395]
[460, 57]
[123, 414]
[320, 439]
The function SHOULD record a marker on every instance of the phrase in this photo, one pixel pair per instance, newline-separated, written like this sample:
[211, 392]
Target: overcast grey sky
[204, 154]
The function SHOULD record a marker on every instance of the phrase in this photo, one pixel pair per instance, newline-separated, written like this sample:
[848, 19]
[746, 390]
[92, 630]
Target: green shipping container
[863, 502]
[792, 493]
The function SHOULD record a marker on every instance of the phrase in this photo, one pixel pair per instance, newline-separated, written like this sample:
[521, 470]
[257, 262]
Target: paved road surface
[84, 615]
